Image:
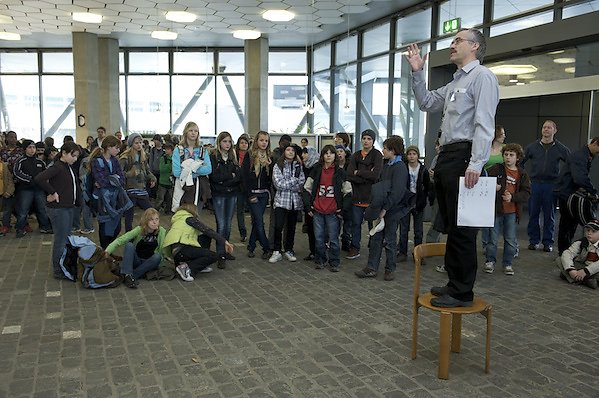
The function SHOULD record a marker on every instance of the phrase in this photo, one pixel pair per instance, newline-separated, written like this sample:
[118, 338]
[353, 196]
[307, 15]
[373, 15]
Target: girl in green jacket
[143, 248]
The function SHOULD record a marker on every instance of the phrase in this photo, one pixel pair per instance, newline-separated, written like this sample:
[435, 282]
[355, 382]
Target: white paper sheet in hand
[476, 206]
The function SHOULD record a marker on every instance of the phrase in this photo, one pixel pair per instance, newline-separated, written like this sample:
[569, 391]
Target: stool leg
[456, 332]
[488, 345]
[444, 331]
[415, 332]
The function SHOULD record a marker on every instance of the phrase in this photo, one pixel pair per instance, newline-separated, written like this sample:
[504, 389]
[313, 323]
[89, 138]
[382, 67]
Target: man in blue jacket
[574, 177]
[544, 157]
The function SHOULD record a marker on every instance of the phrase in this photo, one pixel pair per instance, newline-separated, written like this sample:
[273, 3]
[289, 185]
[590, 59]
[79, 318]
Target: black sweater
[62, 179]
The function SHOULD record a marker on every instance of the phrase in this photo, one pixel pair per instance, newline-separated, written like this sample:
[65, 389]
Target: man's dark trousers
[460, 255]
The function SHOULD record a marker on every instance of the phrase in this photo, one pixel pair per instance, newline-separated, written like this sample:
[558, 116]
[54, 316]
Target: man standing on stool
[468, 103]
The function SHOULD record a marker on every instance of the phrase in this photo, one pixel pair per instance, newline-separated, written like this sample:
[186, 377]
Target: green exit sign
[452, 25]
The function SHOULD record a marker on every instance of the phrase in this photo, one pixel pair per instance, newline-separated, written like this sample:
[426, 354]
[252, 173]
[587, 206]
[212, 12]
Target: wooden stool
[450, 327]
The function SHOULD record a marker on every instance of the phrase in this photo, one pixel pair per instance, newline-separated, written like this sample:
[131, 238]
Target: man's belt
[457, 146]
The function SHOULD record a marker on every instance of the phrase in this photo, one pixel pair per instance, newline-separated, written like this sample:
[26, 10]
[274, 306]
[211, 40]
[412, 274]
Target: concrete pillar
[96, 75]
[256, 85]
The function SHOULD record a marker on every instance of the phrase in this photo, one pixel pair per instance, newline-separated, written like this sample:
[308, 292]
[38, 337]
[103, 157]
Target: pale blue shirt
[468, 103]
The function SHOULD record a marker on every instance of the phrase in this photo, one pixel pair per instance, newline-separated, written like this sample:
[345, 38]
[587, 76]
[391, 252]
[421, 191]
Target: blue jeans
[257, 210]
[88, 222]
[8, 204]
[505, 224]
[241, 203]
[137, 266]
[387, 238]
[326, 229]
[224, 208]
[541, 198]
[357, 218]
[24, 199]
[62, 222]
[404, 228]
[143, 202]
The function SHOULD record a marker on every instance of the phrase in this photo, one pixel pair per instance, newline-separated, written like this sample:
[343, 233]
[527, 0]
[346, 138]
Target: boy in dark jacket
[164, 194]
[420, 185]
[513, 189]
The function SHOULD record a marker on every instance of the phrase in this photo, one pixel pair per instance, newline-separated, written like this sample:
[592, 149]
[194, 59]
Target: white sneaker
[184, 272]
[276, 256]
[290, 256]
[206, 270]
[489, 267]
[508, 270]
[440, 268]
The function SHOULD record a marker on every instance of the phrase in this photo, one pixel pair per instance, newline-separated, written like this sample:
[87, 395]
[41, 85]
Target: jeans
[105, 239]
[143, 202]
[9, 204]
[164, 195]
[506, 225]
[485, 236]
[404, 228]
[357, 218]
[62, 222]
[88, 222]
[25, 198]
[386, 238]
[541, 198]
[197, 258]
[241, 204]
[257, 210]
[284, 217]
[326, 229]
[137, 266]
[567, 227]
[224, 208]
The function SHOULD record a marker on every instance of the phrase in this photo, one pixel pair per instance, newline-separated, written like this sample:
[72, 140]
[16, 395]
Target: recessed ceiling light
[564, 60]
[278, 15]
[164, 35]
[246, 34]
[570, 69]
[537, 81]
[520, 84]
[5, 19]
[556, 52]
[513, 80]
[9, 36]
[513, 69]
[87, 17]
[180, 16]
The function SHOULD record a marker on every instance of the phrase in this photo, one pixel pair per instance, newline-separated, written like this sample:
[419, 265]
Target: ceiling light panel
[513, 69]
[10, 36]
[564, 60]
[278, 15]
[180, 16]
[87, 17]
[246, 34]
[164, 35]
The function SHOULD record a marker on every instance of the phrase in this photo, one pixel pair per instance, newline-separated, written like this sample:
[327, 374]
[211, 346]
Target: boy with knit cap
[580, 262]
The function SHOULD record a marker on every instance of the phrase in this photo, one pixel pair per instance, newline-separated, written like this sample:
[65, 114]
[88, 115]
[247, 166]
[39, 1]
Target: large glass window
[193, 100]
[345, 99]
[322, 106]
[21, 110]
[148, 104]
[579, 9]
[346, 50]
[376, 40]
[413, 28]
[57, 62]
[522, 23]
[230, 97]
[471, 12]
[505, 8]
[322, 57]
[231, 62]
[193, 62]
[58, 102]
[148, 62]
[18, 63]
[374, 99]
[286, 98]
[287, 62]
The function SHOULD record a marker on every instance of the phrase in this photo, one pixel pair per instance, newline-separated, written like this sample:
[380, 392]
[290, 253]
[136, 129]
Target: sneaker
[389, 276]
[4, 230]
[130, 281]
[46, 231]
[222, 263]
[334, 268]
[366, 273]
[508, 270]
[276, 256]
[290, 256]
[319, 266]
[489, 267]
[28, 228]
[591, 282]
[184, 272]
[73, 231]
[440, 268]
[251, 254]
[229, 256]
[266, 255]
[533, 246]
[87, 231]
[309, 257]
[353, 253]
[21, 233]
[206, 270]
[547, 248]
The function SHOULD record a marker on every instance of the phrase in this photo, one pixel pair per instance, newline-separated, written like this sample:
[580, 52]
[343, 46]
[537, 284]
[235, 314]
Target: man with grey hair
[468, 104]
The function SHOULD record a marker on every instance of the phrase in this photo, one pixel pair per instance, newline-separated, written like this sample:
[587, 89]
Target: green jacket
[183, 233]
[166, 170]
[135, 236]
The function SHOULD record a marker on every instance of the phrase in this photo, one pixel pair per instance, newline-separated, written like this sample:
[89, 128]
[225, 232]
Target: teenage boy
[364, 170]
[580, 262]
[164, 194]
[513, 189]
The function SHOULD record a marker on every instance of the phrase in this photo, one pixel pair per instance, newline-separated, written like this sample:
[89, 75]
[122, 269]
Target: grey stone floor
[275, 330]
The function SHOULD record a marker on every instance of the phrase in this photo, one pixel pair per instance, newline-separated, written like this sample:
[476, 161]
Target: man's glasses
[458, 40]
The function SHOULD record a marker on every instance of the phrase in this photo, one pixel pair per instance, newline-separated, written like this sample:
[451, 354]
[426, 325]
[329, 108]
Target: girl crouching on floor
[182, 242]
[143, 248]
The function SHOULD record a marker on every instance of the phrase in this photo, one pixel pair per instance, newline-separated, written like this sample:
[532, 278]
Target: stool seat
[478, 305]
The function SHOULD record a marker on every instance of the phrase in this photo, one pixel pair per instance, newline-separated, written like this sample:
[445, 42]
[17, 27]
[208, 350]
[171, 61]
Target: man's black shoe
[548, 248]
[439, 290]
[533, 246]
[130, 281]
[446, 301]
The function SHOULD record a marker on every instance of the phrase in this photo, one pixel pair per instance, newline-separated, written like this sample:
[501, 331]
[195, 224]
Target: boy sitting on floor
[580, 262]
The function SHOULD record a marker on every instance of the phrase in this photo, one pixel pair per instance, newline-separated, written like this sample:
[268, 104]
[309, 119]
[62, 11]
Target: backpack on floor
[95, 271]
